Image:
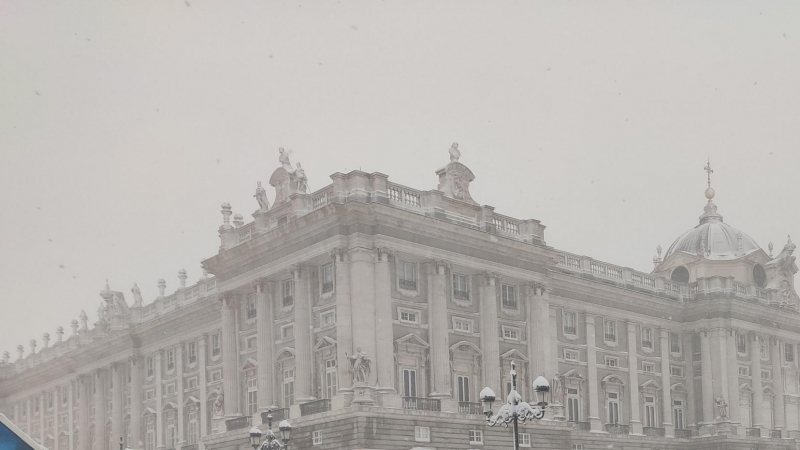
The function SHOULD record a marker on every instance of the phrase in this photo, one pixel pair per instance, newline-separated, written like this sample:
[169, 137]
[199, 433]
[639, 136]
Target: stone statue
[361, 369]
[558, 389]
[302, 180]
[722, 408]
[284, 160]
[102, 317]
[261, 197]
[218, 408]
[114, 307]
[137, 296]
[84, 320]
[455, 153]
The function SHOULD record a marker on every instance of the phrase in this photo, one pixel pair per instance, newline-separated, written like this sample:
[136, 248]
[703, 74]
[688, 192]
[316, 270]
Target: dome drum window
[680, 275]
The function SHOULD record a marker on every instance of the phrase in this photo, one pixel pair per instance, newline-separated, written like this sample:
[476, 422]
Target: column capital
[382, 254]
[664, 333]
[489, 278]
[339, 254]
[296, 271]
[135, 359]
[440, 265]
[227, 299]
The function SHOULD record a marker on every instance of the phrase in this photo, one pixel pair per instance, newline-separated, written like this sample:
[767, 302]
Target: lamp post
[515, 410]
[271, 441]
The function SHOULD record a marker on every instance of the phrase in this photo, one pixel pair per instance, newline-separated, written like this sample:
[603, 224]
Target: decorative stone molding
[382, 254]
[490, 278]
[339, 254]
[440, 266]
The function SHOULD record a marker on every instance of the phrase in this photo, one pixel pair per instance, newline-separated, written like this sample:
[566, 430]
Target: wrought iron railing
[315, 407]
[422, 404]
[461, 295]
[569, 330]
[615, 428]
[611, 337]
[470, 408]
[653, 431]
[408, 284]
[647, 344]
[327, 286]
[754, 432]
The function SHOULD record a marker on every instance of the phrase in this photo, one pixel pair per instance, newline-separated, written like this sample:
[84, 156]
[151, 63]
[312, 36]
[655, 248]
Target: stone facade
[371, 315]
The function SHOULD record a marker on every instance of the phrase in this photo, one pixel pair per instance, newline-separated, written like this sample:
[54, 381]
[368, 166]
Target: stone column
[490, 335]
[179, 388]
[303, 331]
[160, 401]
[118, 402]
[777, 384]
[100, 437]
[719, 368]
[707, 377]
[230, 356]
[203, 382]
[591, 374]
[42, 427]
[71, 415]
[688, 371]
[633, 377]
[733, 382]
[135, 366]
[84, 384]
[56, 418]
[755, 373]
[384, 331]
[362, 301]
[438, 330]
[666, 401]
[344, 330]
[29, 414]
[265, 335]
[538, 333]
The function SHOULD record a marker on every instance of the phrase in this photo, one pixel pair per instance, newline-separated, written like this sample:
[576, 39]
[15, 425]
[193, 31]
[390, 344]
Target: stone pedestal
[218, 424]
[558, 411]
[342, 400]
[706, 430]
[363, 395]
[448, 405]
[724, 428]
[390, 399]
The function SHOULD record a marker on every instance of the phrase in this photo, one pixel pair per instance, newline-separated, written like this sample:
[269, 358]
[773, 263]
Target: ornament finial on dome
[709, 191]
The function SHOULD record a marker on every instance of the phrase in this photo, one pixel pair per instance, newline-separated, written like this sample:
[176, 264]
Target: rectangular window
[674, 342]
[647, 338]
[764, 349]
[288, 292]
[251, 306]
[524, 439]
[192, 350]
[49, 423]
[288, 387]
[191, 383]
[610, 330]
[216, 375]
[422, 434]
[677, 414]
[612, 361]
[570, 324]
[676, 371]
[327, 319]
[463, 325]
[509, 296]
[193, 435]
[327, 277]
[170, 389]
[250, 343]
[287, 331]
[407, 275]
[64, 395]
[570, 355]
[149, 395]
[788, 352]
[573, 405]
[170, 359]
[216, 348]
[613, 408]
[316, 437]
[151, 368]
[648, 367]
[462, 386]
[649, 412]
[409, 316]
[150, 432]
[252, 396]
[766, 375]
[49, 400]
[741, 343]
[460, 287]
[744, 371]
[331, 379]
[510, 333]
[475, 437]
[577, 446]
[171, 435]
[409, 383]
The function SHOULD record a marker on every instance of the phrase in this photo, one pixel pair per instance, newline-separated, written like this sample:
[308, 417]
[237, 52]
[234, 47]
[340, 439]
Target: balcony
[754, 432]
[422, 404]
[611, 337]
[653, 431]
[461, 295]
[327, 286]
[408, 284]
[237, 423]
[470, 408]
[277, 415]
[686, 434]
[288, 300]
[615, 428]
[775, 434]
[647, 344]
[570, 330]
[315, 407]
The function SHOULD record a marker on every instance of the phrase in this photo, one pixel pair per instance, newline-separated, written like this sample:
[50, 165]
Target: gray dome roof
[713, 238]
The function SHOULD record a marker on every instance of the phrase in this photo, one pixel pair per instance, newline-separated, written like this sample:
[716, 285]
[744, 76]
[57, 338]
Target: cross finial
[709, 170]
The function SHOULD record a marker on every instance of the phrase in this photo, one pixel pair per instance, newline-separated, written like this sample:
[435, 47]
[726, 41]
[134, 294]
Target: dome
[713, 238]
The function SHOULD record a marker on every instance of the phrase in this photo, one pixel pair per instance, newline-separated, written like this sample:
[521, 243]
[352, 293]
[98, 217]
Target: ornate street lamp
[515, 410]
[271, 441]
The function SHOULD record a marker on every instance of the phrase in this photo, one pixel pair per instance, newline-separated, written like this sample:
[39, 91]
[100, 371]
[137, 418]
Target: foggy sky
[125, 124]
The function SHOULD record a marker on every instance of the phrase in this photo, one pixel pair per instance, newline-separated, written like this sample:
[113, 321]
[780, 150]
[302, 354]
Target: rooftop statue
[137, 295]
[454, 178]
[302, 179]
[261, 197]
[455, 153]
[284, 160]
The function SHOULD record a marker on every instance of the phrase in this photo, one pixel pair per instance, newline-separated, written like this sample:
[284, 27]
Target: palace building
[371, 315]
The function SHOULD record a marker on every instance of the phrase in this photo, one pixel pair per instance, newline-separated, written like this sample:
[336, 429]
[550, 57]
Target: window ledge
[510, 312]
[327, 295]
[611, 344]
[287, 308]
[675, 354]
[461, 303]
[410, 293]
[571, 337]
[647, 350]
[251, 320]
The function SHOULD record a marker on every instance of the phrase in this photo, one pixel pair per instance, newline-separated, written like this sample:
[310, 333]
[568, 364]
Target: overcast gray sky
[124, 125]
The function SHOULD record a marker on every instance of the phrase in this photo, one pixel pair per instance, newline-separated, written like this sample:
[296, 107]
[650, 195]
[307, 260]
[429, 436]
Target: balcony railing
[775, 434]
[461, 295]
[277, 415]
[611, 337]
[422, 404]
[408, 284]
[237, 423]
[470, 408]
[653, 431]
[569, 330]
[615, 428]
[315, 407]
[327, 286]
[754, 432]
[647, 344]
[686, 434]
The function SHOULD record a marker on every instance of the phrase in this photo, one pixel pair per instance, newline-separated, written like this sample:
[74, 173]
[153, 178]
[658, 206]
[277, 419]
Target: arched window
[680, 274]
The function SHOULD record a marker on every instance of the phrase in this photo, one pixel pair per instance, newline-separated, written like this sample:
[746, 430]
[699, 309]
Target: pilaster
[266, 352]
[777, 384]
[302, 335]
[179, 388]
[439, 339]
[490, 336]
[666, 401]
[362, 298]
[118, 400]
[159, 400]
[84, 383]
[687, 347]
[708, 390]
[230, 356]
[56, 418]
[755, 341]
[42, 427]
[384, 331]
[135, 366]
[344, 329]
[633, 377]
[591, 374]
[733, 381]
[100, 438]
[71, 415]
[203, 381]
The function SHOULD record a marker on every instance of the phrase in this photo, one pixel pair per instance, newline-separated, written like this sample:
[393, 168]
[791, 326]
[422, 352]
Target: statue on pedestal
[218, 407]
[722, 408]
[286, 180]
[302, 179]
[361, 369]
[261, 197]
[455, 153]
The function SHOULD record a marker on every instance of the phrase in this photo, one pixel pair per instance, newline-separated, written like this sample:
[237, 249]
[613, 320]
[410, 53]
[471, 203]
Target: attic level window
[509, 296]
[406, 275]
[288, 292]
[680, 275]
[251, 306]
[759, 275]
[460, 289]
[327, 277]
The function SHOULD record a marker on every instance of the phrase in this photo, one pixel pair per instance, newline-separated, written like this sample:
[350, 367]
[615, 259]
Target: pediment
[514, 355]
[284, 353]
[573, 373]
[411, 339]
[744, 387]
[650, 384]
[613, 379]
[466, 347]
[249, 364]
[325, 342]
[190, 400]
